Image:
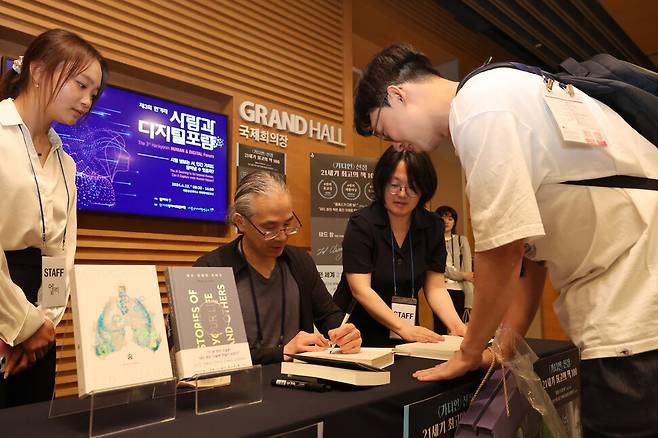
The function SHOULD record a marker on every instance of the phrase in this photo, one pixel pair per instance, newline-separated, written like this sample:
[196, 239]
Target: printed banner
[340, 185]
[250, 159]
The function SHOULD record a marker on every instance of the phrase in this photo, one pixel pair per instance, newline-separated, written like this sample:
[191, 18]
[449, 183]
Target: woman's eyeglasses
[396, 189]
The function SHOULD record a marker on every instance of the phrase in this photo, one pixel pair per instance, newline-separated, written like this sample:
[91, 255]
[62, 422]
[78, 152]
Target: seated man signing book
[281, 292]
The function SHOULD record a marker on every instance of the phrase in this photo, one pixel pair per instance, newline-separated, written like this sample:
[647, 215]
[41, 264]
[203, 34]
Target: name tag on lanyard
[53, 282]
[405, 308]
[574, 118]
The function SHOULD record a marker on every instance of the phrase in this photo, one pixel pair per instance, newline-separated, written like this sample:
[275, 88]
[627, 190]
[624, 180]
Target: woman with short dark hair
[392, 249]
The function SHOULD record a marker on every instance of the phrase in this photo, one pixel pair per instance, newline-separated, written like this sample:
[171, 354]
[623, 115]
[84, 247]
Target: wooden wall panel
[550, 325]
[288, 53]
[423, 24]
[638, 19]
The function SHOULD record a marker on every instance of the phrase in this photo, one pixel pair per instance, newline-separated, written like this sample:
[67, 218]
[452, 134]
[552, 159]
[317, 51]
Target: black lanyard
[36, 182]
[411, 251]
[253, 298]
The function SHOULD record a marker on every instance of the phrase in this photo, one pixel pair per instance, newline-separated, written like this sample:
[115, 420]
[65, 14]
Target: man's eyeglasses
[380, 135]
[396, 189]
[271, 235]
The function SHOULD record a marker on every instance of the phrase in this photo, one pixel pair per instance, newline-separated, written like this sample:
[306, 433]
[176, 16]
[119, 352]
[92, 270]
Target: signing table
[427, 407]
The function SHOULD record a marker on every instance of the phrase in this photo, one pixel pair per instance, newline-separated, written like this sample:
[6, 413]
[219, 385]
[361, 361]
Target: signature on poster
[336, 250]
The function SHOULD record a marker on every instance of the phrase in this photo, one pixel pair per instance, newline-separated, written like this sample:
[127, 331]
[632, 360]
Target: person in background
[459, 267]
[392, 249]
[58, 79]
[281, 292]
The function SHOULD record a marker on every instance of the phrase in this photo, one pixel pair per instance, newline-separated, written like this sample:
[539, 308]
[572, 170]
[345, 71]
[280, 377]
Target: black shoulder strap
[515, 65]
[619, 181]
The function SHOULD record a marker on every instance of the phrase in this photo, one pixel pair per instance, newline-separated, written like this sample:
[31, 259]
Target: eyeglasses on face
[380, 135]
[271, 235]
[396, 189]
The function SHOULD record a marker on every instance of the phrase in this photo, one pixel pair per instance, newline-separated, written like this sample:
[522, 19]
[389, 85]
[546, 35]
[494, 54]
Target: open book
[372, 356]
[430, 350]
[361, 369]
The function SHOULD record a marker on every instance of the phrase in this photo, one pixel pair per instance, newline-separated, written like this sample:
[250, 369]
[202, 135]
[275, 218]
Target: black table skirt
[375, 411]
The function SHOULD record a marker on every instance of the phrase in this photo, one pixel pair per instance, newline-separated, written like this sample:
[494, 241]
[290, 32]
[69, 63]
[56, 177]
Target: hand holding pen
[346, 337]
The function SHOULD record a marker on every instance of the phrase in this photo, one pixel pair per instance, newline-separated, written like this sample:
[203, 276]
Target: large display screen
[8, 62]
[137, 154]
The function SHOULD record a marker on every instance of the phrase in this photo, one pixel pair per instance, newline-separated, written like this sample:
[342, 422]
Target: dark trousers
[458, 300]
[35, 383]
[620, 396]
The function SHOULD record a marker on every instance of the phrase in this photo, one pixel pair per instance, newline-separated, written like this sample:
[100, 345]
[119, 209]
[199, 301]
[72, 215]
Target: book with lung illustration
[207, 326]
[120, 336]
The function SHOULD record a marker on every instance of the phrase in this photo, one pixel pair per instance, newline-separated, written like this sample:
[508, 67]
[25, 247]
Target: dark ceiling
[545, 32]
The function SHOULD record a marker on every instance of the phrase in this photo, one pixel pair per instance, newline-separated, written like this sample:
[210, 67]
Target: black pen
[299, 384]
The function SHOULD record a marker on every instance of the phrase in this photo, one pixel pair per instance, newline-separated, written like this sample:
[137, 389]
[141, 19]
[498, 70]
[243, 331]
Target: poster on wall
[340, 185]
[250, 159]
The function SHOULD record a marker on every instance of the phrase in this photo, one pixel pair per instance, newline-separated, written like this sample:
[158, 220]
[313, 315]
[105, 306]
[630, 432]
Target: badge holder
[217, 391]
[576, 122]
[406, 309]
[115, 410]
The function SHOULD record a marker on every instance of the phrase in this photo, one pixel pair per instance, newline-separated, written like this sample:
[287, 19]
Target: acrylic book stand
[217, 391]
[118, 409]
[121, 409]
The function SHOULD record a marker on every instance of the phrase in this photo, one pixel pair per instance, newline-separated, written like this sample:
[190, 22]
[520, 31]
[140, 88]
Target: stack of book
[431, 350]
[365, 368]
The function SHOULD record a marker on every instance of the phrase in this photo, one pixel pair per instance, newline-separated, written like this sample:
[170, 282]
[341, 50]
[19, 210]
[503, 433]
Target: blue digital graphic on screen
[137, 154]
[9, 62]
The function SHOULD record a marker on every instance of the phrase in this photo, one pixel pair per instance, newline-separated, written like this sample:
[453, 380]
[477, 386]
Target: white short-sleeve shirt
[600, 244]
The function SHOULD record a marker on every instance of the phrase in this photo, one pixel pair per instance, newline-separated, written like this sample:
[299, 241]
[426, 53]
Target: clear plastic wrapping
[513, 352]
